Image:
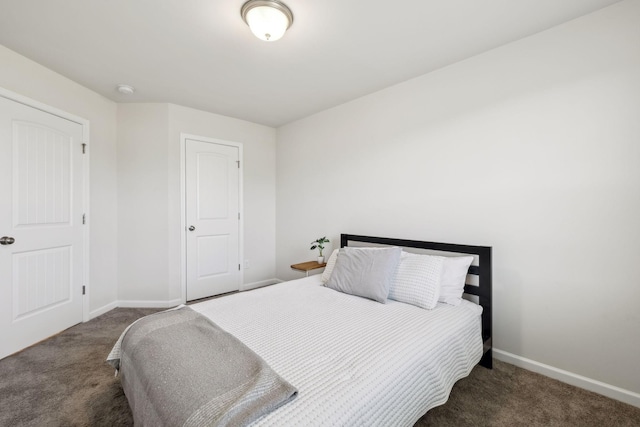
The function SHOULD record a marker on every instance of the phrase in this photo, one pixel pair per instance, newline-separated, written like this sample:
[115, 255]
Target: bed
[354, 361]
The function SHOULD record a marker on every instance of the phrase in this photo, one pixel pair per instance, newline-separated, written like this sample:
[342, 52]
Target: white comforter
[354, 361]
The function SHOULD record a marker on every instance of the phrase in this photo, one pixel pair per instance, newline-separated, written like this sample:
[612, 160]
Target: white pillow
[453, 278]
[331, 263]
[417, 280]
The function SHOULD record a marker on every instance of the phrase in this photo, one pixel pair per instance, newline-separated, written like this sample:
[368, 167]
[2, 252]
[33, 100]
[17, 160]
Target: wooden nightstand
[308, 266]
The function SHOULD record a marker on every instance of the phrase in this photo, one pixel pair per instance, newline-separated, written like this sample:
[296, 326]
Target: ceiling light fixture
[125, 89]
[267, 19]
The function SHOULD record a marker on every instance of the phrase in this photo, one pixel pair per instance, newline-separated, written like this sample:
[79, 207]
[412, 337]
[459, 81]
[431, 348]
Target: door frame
[29, 102]
[183, 205]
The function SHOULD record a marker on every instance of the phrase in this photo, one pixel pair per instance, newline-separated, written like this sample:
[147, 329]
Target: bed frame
[483, 270]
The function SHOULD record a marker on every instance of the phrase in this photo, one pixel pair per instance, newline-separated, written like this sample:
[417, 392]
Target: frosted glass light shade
[267, 19]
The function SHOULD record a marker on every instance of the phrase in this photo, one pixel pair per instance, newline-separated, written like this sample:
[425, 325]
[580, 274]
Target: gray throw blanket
[180, 369]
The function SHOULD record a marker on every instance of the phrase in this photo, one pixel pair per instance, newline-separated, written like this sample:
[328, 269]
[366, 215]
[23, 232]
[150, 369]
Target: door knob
[5, 240]
[191, 228]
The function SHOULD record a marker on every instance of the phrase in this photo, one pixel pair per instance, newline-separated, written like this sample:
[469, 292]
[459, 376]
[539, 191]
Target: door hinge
[84, 146]
[84, 290]
[238, 267]
[238, 215]
[84, 219]
[238, 162]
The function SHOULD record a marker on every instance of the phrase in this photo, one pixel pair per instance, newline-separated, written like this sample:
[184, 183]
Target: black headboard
[483, 270]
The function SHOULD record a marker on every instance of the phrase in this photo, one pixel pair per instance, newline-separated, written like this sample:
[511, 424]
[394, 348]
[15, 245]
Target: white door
[41, 251]
[212, 218]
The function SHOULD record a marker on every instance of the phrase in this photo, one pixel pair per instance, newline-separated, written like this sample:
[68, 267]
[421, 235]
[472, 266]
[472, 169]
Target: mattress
[354, 361]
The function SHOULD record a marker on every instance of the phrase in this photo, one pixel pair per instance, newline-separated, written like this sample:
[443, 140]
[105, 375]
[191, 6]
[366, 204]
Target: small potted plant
[319, 244]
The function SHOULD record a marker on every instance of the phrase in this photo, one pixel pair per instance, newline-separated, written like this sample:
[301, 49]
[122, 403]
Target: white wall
[143, 142]
[149, 197]
[30, 79]
[532, 148]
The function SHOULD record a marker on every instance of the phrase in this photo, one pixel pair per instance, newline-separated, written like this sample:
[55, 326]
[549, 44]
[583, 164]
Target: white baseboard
[149, 304]
[261, 283]
[102, 310]
[133, 304]
[595, 386]
[167, 304]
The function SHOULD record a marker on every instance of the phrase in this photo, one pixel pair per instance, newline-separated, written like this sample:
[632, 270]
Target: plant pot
[320, 259]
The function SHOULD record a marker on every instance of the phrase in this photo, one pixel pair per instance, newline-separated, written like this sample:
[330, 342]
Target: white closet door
[41, 250]
[212, 219]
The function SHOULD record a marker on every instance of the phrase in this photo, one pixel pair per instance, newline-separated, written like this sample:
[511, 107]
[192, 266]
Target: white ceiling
[201, 54]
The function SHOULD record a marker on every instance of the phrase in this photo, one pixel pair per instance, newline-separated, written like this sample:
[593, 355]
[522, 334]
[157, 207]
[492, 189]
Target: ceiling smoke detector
[125, 89]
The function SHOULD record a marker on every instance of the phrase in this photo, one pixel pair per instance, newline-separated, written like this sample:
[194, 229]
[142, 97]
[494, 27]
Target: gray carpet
[64, 381]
